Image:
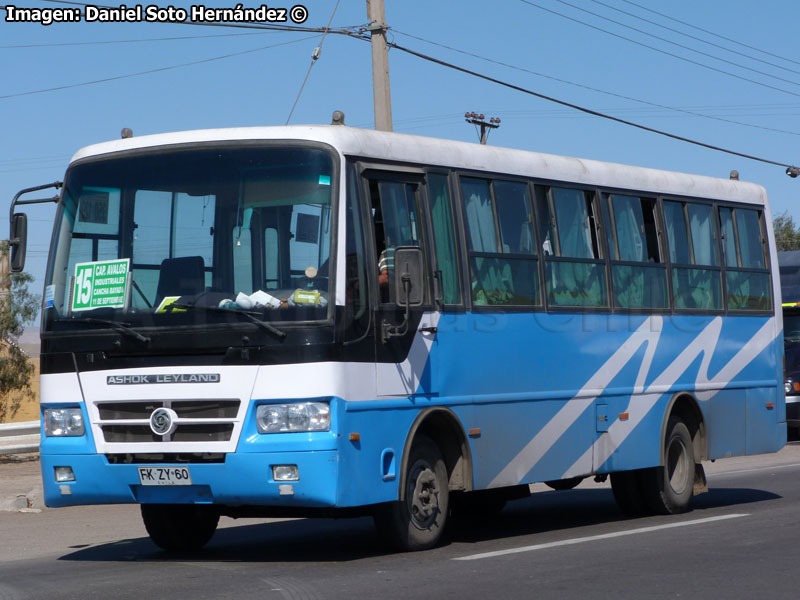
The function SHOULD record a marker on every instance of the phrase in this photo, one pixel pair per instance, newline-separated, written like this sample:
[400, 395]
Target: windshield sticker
[49, 296]
[168, 301]
[324, 180]
[101, 284]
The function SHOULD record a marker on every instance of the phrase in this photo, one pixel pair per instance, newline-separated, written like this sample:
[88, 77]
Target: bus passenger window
[728, 237]
[696, 274]
[747, 276]
[751, 244]
[502, 257]
[642, 284]
[444, 238]
[574, 270]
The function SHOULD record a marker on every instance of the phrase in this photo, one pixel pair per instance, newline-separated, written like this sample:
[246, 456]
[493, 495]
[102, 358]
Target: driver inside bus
[385, 270]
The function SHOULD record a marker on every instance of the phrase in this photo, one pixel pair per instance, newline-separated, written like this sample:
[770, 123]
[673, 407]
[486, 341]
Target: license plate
[164, 476]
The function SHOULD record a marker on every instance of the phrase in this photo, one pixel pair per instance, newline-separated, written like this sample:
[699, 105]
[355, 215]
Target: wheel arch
[685, 406]
[444, 428]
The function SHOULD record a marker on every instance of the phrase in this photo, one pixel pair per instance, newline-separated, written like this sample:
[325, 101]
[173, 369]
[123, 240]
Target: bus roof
[381, 145]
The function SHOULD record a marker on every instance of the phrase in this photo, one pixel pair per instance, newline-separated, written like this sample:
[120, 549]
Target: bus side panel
[761, 421]
[553, 392]
[726, 423]
[631, 440]
[505, 426]
[370, 466]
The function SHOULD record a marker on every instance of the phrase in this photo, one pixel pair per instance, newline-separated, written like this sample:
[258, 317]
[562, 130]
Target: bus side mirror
[18, 241]
[409, 287]
[409, 276]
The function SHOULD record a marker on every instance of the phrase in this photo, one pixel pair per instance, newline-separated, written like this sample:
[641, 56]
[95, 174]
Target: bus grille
[198, 420]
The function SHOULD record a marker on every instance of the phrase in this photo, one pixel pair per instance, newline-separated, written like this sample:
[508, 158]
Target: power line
[576, 106]
[314, 57]
[144, 40]
[679, 57]
[722, 37]
[694, 37]
[667, 41]
[593, 89]
[150, 71]
[359, 35]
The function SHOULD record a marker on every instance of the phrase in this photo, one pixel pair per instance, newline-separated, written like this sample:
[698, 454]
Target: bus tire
[563, 484]
[628, 493]
[179, 527]
[418, 521]
[668, 489]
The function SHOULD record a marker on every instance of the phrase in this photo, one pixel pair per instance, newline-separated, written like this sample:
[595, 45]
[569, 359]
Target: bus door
[402, 346]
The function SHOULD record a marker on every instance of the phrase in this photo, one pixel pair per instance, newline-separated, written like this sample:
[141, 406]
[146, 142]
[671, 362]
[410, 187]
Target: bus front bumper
[244, 479]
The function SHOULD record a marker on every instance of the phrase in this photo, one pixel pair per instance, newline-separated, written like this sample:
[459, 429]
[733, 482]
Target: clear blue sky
[39, 132]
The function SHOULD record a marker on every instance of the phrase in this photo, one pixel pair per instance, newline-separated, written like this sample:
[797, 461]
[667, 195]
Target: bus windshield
[148, 239]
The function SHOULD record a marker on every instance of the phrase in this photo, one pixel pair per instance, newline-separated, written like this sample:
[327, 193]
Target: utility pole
[380, 65]
[476, 119]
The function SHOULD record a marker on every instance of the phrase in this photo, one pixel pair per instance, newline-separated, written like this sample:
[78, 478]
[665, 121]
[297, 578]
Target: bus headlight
[63, 422]
[297, 416]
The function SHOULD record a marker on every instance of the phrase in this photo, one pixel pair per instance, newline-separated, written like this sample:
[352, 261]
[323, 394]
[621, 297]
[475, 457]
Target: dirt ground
[29, 409]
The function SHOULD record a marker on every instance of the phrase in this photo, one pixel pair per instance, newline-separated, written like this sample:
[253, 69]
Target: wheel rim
[422, 495]
[678, 467]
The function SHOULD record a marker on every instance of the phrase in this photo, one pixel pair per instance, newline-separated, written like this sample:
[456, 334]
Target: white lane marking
[602, 536]
[760, 469]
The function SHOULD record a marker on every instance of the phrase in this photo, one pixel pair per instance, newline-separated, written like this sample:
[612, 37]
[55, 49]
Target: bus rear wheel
[626, 486]
[179, 527]
[668, 489]
[418, 521]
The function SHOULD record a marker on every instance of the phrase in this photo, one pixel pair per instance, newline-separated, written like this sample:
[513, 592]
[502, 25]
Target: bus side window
[444, 238]
[696, 273]
[396, 217]
[639, 277]
[502, 254]
[575, 272]
[747, 277]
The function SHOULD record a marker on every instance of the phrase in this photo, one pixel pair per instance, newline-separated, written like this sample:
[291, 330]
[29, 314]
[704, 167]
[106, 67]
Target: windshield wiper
[116, 325]
[248, 315]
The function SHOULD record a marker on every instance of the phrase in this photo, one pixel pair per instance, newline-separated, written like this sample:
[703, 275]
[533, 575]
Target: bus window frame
[602, 249]
[720, 268]
[455, 225]
[405, 171]
[765, 249]
[463, 245]
[378, 171]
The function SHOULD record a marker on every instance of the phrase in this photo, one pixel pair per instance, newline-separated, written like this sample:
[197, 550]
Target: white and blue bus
[323, 320]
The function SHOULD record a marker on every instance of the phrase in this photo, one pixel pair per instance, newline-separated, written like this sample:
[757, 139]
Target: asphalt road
[742, 540]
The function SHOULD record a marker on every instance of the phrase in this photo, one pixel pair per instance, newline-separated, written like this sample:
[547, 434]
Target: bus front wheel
[179, 527]
[418, 521]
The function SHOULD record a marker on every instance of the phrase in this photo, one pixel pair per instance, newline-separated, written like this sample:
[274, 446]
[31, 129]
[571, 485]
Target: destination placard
[101, 284]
